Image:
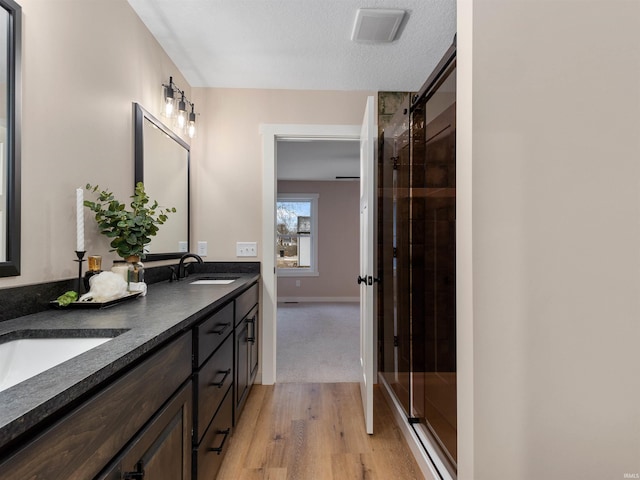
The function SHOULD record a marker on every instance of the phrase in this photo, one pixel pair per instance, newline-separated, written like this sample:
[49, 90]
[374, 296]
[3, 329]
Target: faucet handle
[174, 275]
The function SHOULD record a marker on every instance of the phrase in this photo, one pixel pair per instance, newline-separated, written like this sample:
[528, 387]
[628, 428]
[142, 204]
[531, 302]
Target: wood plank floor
[315, 431]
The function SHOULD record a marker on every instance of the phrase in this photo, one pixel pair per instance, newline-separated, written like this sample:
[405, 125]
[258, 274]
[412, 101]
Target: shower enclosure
[417, 259]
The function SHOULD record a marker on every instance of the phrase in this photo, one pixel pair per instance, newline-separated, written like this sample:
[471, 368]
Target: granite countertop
[145, 322]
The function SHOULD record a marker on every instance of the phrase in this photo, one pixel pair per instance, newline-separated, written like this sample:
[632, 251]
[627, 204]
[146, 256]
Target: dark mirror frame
[140, 114]
[11, 267]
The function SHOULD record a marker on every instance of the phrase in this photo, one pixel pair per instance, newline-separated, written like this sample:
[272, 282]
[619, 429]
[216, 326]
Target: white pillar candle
[79, 220]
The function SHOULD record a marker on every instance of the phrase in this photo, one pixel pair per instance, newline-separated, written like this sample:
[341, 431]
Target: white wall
[548, 109]
[84, 63]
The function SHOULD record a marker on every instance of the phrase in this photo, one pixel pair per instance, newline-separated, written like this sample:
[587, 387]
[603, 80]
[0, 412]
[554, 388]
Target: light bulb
[168, 101]
[191, 128]
[182, 114]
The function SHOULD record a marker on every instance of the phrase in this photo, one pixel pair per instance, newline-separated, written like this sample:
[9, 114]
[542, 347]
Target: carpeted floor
[318, 342]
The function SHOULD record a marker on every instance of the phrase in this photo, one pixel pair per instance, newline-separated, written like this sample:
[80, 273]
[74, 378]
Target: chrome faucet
[182, 271]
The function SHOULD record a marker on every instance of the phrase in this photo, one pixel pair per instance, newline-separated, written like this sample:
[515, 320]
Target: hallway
[318, 342]
[315, 432]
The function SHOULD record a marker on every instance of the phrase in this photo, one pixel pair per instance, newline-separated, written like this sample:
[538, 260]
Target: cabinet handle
[138, 474]
[226, 433]
[221, 383]
[251, 338]
[220, 331]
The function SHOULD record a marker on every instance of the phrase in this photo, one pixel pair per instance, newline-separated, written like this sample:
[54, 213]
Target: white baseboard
[415, 445]
[318, 299]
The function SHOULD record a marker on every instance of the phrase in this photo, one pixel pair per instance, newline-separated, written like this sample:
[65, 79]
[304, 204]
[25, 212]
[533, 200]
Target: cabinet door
[241, 380]
[253, 332]
[162, 450]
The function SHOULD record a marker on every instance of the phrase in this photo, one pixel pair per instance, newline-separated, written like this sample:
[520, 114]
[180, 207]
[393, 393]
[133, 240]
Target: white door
[367, 273]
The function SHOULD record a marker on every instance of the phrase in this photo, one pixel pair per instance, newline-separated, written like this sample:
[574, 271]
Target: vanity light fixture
[177, 109]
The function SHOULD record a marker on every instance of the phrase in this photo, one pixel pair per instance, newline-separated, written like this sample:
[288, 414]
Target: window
[297, 234]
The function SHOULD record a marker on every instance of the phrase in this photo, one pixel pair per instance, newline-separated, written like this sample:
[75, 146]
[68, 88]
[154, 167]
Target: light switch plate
[246, 249]
[202, 249]
[182, 247]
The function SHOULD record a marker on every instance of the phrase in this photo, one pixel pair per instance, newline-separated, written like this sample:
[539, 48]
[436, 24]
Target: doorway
[317, 253]
[271, 135]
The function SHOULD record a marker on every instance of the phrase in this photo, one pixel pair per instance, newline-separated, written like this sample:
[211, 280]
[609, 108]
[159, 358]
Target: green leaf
[129, 229]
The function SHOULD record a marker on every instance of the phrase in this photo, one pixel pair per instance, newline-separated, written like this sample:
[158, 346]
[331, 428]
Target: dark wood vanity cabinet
[225, 367]
[246, 357]
[168, 417]
[213, 392]
[162, 450]
[130, 414]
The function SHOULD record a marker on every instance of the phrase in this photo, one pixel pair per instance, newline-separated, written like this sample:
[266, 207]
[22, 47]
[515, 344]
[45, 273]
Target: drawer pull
[221, 383]
[220, 331]
[226, 433]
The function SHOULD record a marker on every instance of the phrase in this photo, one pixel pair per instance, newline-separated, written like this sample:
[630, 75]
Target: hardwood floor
[315, 431]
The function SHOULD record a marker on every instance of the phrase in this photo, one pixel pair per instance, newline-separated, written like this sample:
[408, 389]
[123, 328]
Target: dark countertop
[167, 310]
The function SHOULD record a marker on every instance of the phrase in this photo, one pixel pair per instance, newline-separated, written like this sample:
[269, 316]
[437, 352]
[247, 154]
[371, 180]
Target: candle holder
[80, 259]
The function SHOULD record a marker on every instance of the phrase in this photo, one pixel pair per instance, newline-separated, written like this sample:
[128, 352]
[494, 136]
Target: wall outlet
[202, 249]
[246, 249]
[182, 247]
[297, 283]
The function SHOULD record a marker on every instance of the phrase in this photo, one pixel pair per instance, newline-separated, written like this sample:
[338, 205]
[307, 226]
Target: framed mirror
[10, 116]
[162, 164]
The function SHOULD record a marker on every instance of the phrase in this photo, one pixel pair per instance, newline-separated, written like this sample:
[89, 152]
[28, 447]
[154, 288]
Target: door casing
[271, 133]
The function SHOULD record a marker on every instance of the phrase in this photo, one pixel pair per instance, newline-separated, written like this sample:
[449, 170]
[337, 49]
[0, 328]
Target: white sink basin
[213, 282]
[24, 358]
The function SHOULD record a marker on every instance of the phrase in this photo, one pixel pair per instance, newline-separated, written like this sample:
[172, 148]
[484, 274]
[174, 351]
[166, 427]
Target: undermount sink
[23, 358]
[214, 281]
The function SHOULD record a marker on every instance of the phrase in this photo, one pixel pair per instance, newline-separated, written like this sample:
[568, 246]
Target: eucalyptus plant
[130, 229]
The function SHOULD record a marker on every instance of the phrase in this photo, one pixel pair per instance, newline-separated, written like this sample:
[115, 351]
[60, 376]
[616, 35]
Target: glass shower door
[394, 294]
[433, 306]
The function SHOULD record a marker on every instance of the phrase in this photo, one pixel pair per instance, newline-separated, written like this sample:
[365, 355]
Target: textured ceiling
[297, 44]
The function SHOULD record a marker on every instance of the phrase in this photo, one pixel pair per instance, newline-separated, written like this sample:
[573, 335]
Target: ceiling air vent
[375, 25]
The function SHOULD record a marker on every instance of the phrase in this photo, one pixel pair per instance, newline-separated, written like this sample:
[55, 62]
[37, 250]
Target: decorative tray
[110, 303]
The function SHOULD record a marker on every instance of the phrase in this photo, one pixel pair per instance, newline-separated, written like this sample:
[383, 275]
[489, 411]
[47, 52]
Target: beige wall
[549, 377]
[338, 243]
[227, 170]
[84, 63]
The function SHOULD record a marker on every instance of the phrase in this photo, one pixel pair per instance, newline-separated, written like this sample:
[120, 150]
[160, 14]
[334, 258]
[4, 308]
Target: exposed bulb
[191, 128]
[181, 119]
[182, 114]
[168, 102]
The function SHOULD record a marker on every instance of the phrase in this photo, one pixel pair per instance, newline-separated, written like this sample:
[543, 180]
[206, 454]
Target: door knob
[362, 280]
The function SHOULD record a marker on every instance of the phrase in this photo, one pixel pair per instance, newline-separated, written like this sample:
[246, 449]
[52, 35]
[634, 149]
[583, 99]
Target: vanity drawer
[211, 332]
[213, 382]
[246, 301]
[215, 443]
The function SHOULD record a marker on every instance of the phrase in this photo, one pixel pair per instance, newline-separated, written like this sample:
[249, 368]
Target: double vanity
[149, 388]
